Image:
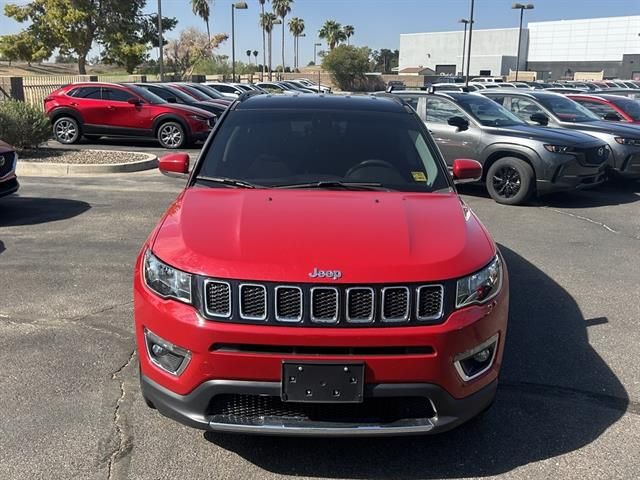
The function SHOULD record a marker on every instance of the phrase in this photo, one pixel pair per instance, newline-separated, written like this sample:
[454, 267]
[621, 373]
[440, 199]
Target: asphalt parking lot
[568, 405]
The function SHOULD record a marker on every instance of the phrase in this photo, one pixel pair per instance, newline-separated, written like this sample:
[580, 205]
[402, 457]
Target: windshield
[487, 112]
[146, 94]
[630, 107]
[282, 147]
[567, 110]
[178, 94]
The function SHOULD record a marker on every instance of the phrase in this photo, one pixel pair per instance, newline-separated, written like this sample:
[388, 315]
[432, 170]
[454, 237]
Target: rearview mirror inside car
[460, 123]
[540, 118]
[172, 100]
[466, 170]
[134, 101]
[212, 121]
[174, 164]
[612, 117]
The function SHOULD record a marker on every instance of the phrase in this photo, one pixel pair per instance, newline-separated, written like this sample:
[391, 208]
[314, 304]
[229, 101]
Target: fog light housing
[473, 363]
[165, 355]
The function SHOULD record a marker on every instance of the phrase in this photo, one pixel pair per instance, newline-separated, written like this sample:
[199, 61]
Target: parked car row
[530, 142]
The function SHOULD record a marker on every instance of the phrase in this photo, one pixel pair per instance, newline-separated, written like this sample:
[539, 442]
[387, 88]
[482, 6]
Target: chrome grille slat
[429, 304]
[253, 301]
[324, 304]
[395, 304]
[288, 304]
[360, 305]
[217, 298]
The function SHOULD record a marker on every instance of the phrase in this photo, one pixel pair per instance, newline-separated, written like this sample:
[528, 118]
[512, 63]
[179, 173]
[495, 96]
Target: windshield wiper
[227, 181]
[337, 184]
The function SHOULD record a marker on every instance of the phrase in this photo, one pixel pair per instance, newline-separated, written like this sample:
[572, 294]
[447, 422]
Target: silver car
[519, 161]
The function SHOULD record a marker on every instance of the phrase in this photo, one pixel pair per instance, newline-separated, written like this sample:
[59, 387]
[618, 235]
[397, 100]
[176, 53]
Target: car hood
[189, 110]
[614, 128]
[283, 235]
[548, 135]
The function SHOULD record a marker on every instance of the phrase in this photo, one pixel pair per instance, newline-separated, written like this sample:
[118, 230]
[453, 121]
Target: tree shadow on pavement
[556, 395]
[18, 210]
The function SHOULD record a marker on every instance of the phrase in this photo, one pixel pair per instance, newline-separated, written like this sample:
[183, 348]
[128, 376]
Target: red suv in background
[320, 275]
[123, 110]
[610, 107]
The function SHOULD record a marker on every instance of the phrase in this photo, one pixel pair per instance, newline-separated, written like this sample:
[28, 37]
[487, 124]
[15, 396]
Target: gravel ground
[80, 157]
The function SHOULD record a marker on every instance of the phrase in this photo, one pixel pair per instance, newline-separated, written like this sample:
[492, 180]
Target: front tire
[172, 135]
[510, 181]
[66, 130]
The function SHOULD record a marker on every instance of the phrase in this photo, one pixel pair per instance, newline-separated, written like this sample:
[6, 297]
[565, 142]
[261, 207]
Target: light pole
[297, 49]
[234, 6]
[464, 41]
[470, 36]
[160, 45]
[315, 53]
[522, 7]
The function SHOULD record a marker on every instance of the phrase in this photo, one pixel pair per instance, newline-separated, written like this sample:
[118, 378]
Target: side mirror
[466, 170]
[460, 123]
[540, 118]
[174, 164]
[212, 121]
[134, 101]
[612, 117]
[172, 100]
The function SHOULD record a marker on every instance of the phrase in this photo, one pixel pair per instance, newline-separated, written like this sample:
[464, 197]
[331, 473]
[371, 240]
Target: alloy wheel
[507, 182]
[66, 131]
[171, 136]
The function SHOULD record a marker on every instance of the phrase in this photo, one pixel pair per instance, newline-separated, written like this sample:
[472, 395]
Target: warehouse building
[555, 49]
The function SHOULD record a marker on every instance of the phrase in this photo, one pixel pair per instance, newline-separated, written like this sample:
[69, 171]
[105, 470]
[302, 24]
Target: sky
[378, 23]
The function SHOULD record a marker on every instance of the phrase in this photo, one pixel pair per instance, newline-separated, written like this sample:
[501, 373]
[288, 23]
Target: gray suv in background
[558, 111]
[518, 160]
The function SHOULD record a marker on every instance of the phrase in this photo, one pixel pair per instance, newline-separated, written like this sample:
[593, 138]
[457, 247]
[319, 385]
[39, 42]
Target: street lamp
[297, 59]
[315, 50]
[160, 45]
[470, 36]
[464, 41]
[522, 7]
[234, 6]
[277, 21]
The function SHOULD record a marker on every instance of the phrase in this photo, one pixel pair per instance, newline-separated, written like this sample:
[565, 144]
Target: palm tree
[349, 30]
[201, 9]
[332, 32]
[281, 8]
[264, 48]
[249, 56]
[255, 54]
[296, 27]
[266, 21]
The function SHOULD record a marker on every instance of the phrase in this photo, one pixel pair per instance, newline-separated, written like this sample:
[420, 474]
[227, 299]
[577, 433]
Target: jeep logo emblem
[331, 274]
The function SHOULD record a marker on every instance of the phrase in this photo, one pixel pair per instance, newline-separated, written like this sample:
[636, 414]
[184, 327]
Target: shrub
[348, 65]
[22, 125]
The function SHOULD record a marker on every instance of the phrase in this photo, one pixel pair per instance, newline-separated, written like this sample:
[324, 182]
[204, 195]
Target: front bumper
[192, 409]
[571, 175]
[630, 167]
[8, 186]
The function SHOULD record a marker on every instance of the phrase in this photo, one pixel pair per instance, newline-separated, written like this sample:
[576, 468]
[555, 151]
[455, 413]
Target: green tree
[296, 27]
[384, 60]
[282, 8]
[333, 33]
[347, 65]
[202, 9]
[189, 49]
[255, 54]
[266, 21]
[349, 30]
[23, 46]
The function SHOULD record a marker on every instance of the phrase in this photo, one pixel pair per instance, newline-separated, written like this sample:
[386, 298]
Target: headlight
[198, 118]
[481, 286]
[628, 141]
[558, 148]
[165, 280]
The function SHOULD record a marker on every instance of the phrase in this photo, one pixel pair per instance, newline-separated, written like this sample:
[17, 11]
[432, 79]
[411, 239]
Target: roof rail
[248, 94]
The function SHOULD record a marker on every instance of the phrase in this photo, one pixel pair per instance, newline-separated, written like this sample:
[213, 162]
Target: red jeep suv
[320, 275]
[123, 110]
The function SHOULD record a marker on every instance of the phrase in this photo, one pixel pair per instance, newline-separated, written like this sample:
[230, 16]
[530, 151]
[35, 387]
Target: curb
[54, 169]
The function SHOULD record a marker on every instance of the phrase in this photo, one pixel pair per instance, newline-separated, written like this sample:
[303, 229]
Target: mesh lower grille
[429, 302]
[254, 409]
[253, 302]
[288, 304]
[218, 299]
[395, 304]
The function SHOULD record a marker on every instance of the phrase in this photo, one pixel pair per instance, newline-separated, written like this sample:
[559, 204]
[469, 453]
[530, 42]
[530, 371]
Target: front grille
[6, 163]
[255, 409]
[288, 304]
[218, 299]
[253, 302]
[323, 305]
[591, 156]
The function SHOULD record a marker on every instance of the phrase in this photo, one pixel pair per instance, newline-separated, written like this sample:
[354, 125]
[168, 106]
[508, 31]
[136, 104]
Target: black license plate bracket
[313, 382]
